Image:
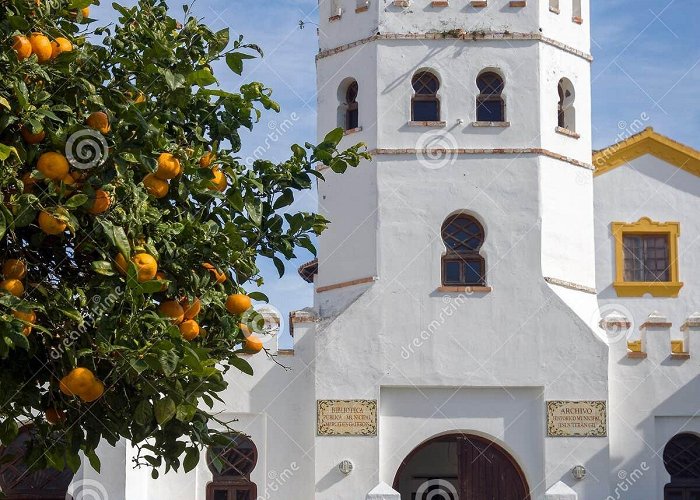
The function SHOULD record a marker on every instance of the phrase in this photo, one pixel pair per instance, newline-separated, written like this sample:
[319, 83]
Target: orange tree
[130, 228]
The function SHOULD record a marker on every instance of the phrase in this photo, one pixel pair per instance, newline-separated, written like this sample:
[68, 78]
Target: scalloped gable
[647, 142]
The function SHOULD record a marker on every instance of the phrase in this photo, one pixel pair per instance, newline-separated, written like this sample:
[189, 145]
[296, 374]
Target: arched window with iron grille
[231, 466]
[682, 462]
[490, 105]
[425, 104]
[462, 263]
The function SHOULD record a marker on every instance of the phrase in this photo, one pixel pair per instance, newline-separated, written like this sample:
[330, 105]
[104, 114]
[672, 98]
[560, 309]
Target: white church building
[500, 313]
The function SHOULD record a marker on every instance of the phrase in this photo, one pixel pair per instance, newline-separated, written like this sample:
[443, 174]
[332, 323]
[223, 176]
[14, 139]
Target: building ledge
[334, 18]
[427, 124]
[518, 3]
[351, 131]
[402, 3]
[554, 10]
[636, 355]
[491, 124]
[464, 289]
[285, 352]
[680, 355]
[567, 132]
[641, 288]
[479, 3]
[577, 20]
[439, 3]
[360, 10]
[345, 284]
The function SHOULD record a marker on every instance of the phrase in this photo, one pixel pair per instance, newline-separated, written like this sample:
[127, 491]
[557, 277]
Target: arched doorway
[460, 467]
[682, 462]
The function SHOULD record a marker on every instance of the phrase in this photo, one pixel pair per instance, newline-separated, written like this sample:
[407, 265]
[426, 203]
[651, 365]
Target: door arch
[460, 466]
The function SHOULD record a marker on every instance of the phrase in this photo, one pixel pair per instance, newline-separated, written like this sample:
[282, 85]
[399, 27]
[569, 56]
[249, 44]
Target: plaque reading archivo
[350, 417]
[577, 419]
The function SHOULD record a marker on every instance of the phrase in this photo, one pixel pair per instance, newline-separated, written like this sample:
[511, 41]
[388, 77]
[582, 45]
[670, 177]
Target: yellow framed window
[646, 258]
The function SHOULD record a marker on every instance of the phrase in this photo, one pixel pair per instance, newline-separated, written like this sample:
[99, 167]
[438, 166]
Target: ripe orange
[173, 310]
[168, 167]
[120, 263]
[155, 186]
[94, 392]
[238, 303]
[219, 181]
[13, 286]
[189, 329]
[41, 46]
[140, 98]
[78, 381]
[206, 160]
[191, 311]
[252, 344]
[29, 317]
[50, 224]
[146, 266]
[52, 165]
[68, 180]
[59, 46]
[99, 121]
[22, 46]
[31, 138]
[85, 11]
[101, 202]
[14, 269]
[160, 275]
[54, 416]
[218, 276]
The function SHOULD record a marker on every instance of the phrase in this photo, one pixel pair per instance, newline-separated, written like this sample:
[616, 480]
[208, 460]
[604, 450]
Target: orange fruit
[54, 416]
[120, 263]
[140, 98]
[63, 385]
[79, 381]
[22, 46]
[101, 202]
[238, 303]
[31, 138]
[173, 310]
[29, 317]
[50, 224]
[68, 180]
[52, 165]
[160, 275]
[14, 269]
[191, 311]
[85, 11]
[146, 266]
[168, 167]
[41, 46]
[218, 276]
[252, 344]
[13, 286]
[94, 392]
[99, 121]
[206, 160]
[59, 46]
[155, 186]
[219, 181]
[189, 329]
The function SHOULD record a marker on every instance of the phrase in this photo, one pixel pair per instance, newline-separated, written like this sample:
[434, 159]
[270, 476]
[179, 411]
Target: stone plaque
[353, 417]
[577, 419]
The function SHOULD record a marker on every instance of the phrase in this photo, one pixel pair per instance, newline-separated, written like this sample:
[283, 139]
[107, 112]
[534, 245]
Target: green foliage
[153, 78]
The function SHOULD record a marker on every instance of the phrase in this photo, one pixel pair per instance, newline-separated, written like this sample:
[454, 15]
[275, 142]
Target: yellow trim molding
[645, 226]
[647, 142]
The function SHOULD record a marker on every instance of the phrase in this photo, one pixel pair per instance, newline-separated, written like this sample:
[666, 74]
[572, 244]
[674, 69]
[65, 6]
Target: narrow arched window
[490, 106]
[566, 113]
[425, 105]
[462, 264]
[231, 466]
[352, 113]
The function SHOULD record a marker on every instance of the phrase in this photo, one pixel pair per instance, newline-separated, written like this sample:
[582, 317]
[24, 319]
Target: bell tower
[461, 257]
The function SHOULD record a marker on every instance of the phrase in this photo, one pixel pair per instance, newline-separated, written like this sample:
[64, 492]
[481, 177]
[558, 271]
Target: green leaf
[201, 78]
[285, 199]
[3, 225]
[235, 61]
[6, 151]
[185, 412]
[242, 365]
[94, 460]
[191, 459]
[168, 361]
[164, 410]
[121, 241]
[334, 136]
[143, 414]
[76, 201]
[103, 267]
[174, 80]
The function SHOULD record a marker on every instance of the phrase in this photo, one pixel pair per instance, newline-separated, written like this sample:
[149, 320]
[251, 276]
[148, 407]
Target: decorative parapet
[304, 316]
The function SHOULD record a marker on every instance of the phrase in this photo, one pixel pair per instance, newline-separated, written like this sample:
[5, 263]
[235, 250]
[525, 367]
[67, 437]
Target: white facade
[483, 360]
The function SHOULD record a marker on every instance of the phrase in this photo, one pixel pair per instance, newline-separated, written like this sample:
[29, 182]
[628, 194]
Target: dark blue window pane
[220, 495]
[452, 272]
[353, 119]
[490, 111]
[473, 273]
[426, 111]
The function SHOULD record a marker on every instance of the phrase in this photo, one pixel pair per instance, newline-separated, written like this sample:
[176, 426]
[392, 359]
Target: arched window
[425, 105]
[462, 264]
[348, 110]
[682, 462]
[490, 106]
[566, 112]
[231, 466]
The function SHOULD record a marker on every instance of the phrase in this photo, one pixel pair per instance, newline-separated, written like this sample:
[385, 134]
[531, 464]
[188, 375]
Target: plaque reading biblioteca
[354, 417]
[577, 419]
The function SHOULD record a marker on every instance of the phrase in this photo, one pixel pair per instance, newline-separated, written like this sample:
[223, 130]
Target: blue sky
[647, 67]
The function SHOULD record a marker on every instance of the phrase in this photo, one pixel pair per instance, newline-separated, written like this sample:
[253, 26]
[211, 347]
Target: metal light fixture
[346, 467]
[579, 472]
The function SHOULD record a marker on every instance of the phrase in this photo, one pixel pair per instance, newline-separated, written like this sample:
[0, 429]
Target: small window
[490, 106]
[336, 9]
[646, 258]
[576, 10]
[348, 109]
[566, 113]
[462, 264]
[231, 466]
[554, 5]
[682, 462]
[425, 105]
